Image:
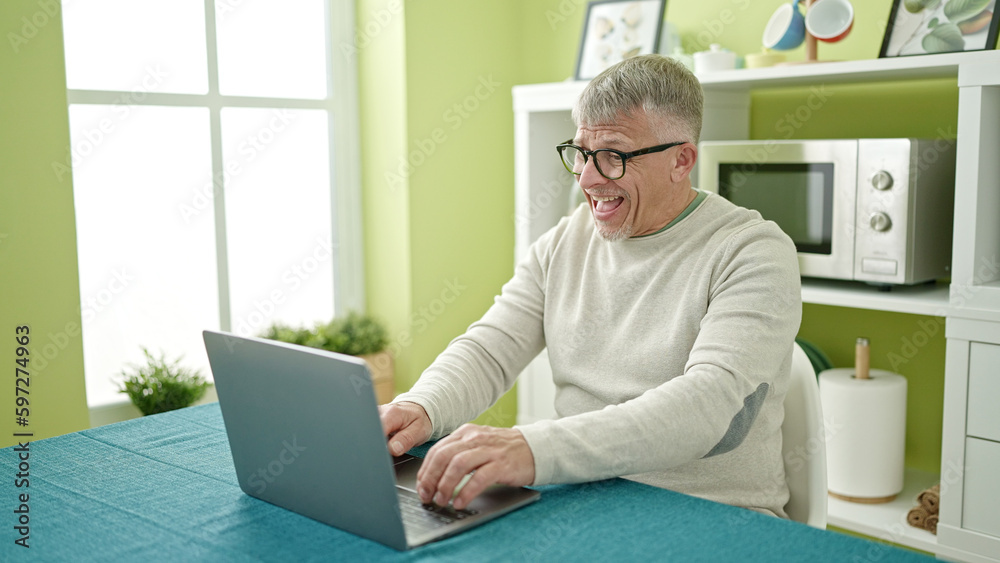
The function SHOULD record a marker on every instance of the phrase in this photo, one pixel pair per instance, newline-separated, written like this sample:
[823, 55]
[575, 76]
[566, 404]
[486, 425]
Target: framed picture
[616, 30]
[924, 27]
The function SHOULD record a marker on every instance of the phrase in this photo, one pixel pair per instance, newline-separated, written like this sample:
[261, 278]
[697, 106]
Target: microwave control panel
[904, 213]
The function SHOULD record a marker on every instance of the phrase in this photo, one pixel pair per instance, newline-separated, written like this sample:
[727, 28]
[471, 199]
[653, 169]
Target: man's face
[638, 203]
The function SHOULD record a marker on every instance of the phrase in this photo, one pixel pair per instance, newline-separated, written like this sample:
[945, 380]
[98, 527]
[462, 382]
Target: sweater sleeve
[478, 367]
[742, 352]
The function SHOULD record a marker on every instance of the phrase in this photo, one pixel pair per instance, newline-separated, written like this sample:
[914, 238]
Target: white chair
[803, 445]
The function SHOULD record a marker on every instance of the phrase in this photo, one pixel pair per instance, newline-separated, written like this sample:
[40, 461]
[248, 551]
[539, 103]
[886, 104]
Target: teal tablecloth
[163, 488]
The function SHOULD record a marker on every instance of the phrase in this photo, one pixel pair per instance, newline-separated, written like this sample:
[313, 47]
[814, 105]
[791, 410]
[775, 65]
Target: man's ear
[687, 154]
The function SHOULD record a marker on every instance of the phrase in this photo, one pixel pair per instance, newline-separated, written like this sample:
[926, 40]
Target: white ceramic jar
[715, 59]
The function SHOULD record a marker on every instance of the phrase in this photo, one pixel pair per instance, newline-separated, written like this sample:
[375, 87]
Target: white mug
[830, 20]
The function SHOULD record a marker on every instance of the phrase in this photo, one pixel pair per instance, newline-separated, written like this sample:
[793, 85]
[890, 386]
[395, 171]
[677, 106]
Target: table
[163, 488]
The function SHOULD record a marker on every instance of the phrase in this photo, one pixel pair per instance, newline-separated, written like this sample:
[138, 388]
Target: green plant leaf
[355, 335]
[916, 6]
[943, 39]
[933, 23]
[283, 333]
[160, 386]
[961, 10]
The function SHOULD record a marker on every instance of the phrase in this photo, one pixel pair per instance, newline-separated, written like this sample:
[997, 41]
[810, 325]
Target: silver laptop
[305, 435]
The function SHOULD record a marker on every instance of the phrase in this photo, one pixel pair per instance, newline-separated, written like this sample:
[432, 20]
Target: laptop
[305, 435]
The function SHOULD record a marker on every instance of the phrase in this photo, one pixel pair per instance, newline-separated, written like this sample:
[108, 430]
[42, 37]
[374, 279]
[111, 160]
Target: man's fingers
[391, 418]
[402, 441]
[413, 434]
[461, 465]
[405, 424]
[497, 455]
[434, 466]
[484, 476]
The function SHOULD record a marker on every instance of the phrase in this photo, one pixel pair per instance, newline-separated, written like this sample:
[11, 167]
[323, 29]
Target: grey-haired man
[668, 314]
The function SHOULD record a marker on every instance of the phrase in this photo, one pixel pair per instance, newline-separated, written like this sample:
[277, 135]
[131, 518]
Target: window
[215, 172]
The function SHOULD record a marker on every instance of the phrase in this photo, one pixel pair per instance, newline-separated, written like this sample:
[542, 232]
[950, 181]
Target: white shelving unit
[972, 301]
[919, 300]
[887, 521]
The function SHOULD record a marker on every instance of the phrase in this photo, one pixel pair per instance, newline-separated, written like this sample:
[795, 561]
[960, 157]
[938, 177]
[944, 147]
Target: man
[668, 314]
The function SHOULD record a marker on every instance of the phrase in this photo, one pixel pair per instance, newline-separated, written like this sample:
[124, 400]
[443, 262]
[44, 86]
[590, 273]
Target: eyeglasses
[610, 163]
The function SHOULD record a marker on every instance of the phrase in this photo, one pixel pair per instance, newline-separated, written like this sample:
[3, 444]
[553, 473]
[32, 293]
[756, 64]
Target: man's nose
[590, 176]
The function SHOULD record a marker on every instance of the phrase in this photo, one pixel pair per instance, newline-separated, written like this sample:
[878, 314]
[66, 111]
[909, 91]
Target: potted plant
[160, 386]
[355, 334]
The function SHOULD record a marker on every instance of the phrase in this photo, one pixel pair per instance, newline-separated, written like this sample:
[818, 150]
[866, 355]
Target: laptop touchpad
[407, 467]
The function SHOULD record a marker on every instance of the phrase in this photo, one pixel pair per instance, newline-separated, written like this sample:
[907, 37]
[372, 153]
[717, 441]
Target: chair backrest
[803, 445]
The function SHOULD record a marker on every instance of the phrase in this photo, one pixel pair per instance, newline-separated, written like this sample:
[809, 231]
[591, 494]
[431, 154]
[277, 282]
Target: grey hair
[665, 89]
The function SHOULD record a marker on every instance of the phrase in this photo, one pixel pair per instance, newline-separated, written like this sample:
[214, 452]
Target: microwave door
[806, 187]
[797, 196]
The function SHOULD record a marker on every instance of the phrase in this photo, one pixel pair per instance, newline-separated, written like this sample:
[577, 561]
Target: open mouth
[604, 207]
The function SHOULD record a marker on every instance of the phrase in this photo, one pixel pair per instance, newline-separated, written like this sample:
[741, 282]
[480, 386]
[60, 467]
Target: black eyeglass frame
[624, 156]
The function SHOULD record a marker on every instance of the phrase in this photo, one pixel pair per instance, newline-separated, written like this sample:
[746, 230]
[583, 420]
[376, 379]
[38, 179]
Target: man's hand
[497, 455]
[405, 424]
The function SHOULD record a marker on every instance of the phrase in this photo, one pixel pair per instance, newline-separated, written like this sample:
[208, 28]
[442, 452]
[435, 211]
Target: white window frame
[341, 105]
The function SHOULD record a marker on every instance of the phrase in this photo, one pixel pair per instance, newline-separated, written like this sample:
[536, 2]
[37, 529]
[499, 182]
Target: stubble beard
[611, 234]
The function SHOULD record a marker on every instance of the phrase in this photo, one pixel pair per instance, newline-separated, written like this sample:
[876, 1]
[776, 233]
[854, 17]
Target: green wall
[461, 207]
[438, 171]
[452, 220]
[382, 89]
[38, 265]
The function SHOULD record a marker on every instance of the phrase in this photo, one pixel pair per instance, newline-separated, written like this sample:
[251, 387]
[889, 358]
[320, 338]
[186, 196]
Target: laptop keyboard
[419, 517]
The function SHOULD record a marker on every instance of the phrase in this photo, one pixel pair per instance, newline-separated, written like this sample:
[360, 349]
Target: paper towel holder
[862, 358]
[861, 371]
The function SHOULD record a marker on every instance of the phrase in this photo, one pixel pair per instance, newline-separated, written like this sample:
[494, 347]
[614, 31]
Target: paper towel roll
[865, 433]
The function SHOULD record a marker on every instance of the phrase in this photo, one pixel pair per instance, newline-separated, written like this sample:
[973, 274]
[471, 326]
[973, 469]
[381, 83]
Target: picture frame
[940, 26]
[615, 30]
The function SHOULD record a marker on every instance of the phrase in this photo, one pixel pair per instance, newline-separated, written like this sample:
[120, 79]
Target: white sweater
[670, 353]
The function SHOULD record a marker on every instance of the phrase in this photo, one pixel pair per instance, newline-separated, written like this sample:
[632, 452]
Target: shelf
[869, 70]
[553, 96]
[560, 96]
[918, 300]
[887, 521]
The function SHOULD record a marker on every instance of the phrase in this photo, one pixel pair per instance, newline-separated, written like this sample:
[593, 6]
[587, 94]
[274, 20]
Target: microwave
[873, 210]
